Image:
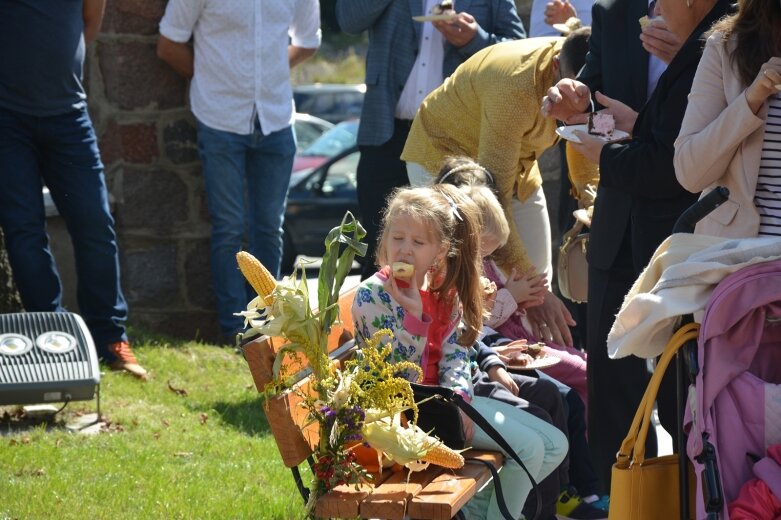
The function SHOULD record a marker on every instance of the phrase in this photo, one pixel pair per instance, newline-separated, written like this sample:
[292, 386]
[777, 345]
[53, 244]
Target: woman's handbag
[439, 415]
[572, 268]
[647, 489]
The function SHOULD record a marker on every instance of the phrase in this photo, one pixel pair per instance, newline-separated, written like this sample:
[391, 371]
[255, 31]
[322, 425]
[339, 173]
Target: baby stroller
[736, 416]
[733, 409]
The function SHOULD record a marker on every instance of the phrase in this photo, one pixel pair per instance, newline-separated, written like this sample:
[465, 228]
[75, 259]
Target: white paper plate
[568, 133]
[562, 28]
[778, 87]
[435, 17]
[543, 362]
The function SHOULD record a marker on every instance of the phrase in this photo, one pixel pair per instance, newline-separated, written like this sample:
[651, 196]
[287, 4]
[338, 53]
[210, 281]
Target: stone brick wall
[147, 139]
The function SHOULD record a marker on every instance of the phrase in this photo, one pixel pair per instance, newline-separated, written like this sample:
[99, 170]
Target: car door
[318, 202]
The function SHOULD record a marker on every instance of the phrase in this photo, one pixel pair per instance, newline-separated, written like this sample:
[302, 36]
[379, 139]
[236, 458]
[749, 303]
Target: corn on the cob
[407, 445]
[443, 456]
[257, 275]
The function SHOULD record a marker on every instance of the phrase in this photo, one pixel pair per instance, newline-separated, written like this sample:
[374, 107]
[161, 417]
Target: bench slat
[342, 502]
[389, 499]
[286, 419]
[448, 493]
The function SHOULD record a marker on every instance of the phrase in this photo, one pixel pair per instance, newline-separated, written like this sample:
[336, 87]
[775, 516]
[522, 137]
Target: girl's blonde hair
[491, 212]
[478, 183]
[455, 221]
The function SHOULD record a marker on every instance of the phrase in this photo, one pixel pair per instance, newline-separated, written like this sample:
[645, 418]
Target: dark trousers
[615, 386]
[62, 152]
[380, 171]
[580, 473]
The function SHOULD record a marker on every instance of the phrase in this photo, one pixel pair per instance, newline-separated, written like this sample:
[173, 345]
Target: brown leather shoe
[126, 360]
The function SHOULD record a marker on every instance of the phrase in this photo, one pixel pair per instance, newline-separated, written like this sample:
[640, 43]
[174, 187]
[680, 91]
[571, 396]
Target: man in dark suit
[618, 65]
[406, 60]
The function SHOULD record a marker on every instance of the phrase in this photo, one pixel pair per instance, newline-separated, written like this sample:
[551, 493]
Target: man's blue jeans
[62, 152]
[247, 178]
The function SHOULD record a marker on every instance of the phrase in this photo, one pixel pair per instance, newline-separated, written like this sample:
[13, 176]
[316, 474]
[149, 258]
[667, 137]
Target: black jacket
[641, 170]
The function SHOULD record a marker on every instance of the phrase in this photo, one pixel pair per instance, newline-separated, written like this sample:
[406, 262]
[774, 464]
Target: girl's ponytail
[464, 265]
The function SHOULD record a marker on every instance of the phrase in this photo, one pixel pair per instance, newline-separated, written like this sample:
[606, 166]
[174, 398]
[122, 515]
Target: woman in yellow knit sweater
[489, 110]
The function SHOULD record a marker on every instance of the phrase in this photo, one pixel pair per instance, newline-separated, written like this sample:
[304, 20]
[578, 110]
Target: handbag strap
[570, 235]
[488, 428]
[633, 448]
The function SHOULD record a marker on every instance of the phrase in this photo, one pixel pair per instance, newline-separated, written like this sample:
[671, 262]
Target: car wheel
[289, 254]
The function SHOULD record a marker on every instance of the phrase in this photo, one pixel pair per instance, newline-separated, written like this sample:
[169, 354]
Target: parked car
[317, 201]
[308, 128]
[330, 143]
[332, 102]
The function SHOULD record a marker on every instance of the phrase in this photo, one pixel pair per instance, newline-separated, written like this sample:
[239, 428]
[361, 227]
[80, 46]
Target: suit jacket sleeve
[643, 166]
[713, 128]
[506, 25]
[356, 16]
[591, 73]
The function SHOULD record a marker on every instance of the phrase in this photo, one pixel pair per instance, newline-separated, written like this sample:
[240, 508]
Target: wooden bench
[436, 493]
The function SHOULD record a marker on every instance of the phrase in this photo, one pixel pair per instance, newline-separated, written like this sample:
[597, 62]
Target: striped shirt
[767, 197]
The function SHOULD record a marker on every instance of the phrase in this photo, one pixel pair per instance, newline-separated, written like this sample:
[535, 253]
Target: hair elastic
[466, 167]
[453, 207]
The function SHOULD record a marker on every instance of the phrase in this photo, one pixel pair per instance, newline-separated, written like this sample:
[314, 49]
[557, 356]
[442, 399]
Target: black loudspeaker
[47, 357]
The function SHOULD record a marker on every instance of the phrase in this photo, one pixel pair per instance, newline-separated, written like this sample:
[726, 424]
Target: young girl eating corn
[436, 318]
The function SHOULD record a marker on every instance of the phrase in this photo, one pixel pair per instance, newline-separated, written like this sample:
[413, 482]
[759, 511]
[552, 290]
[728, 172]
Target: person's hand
[566, 101]
[469, 427]
[559, 11]
[408, 297]
[551, 321]
[659, 41]
[526, 289]
[460, 30]
[510, 351]
[489, 295]
[764, 85]
[500, 375]
[623, 114]
[590, 146]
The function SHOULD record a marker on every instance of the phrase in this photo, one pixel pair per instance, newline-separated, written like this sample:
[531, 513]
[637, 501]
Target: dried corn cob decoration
[409, 445]
[257, 275]
[443, 456]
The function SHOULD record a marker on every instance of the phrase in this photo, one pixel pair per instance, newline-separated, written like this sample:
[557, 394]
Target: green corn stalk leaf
[335, 267]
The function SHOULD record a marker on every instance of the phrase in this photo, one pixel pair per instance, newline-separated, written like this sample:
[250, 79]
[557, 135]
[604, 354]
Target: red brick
[110, 144]
[139, 142]
[134, 77]
[133, 16]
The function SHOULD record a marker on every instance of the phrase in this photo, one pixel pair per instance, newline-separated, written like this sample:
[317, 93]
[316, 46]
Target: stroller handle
[701, 208]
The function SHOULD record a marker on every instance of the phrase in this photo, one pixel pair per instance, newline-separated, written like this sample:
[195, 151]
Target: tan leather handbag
[647, 489]
[572, 268]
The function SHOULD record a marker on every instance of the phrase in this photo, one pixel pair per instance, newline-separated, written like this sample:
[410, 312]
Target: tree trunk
[9, 297]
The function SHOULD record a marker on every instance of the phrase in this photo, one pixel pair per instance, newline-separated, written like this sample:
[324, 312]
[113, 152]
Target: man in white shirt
[242, 99]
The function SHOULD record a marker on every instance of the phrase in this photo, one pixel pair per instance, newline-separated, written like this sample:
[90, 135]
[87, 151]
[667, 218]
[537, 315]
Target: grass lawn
[206, 454]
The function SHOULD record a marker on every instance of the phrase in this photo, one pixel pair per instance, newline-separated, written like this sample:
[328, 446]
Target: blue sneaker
[603, 503]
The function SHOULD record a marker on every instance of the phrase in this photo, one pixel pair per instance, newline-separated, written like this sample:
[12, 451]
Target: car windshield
[339, 138]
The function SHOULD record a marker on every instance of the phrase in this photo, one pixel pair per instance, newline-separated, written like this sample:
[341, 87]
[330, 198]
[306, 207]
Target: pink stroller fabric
[738, 395]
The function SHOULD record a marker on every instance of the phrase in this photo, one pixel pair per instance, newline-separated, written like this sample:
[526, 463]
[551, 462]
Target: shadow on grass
[245, 416]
